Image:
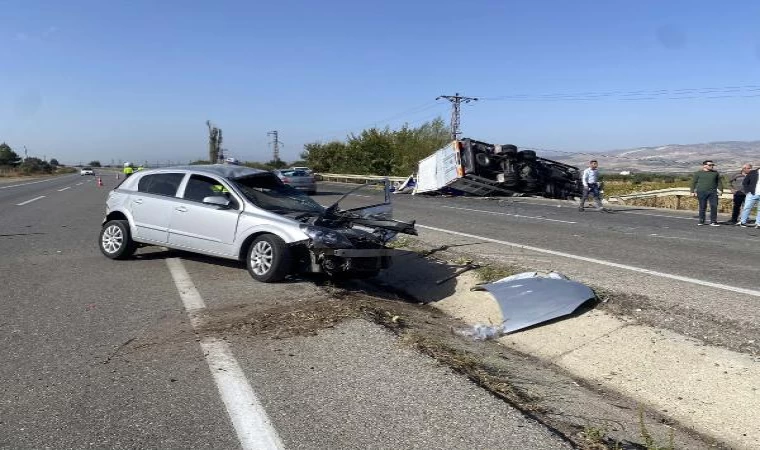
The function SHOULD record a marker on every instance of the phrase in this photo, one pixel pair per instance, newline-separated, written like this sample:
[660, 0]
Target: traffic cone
[100, 181]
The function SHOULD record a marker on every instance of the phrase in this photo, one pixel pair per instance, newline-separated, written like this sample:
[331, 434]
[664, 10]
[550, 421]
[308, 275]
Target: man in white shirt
[590, 179]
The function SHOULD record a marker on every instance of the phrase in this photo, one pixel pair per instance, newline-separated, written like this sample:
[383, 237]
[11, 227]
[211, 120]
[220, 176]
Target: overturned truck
[478, 168]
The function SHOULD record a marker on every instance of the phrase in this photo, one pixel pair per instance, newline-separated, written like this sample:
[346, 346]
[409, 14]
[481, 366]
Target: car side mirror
[217, 200]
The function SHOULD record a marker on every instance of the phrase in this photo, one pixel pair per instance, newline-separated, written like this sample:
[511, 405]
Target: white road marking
[79, 184]
[725, 287]
[251, 423]
[61, 190]
[30, 201]
[508, 214]
[26, 184]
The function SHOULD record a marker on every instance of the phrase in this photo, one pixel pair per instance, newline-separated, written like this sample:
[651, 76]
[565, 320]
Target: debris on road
[528, 299]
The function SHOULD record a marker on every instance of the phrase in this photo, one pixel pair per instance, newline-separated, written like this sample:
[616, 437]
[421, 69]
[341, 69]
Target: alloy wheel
[261, 258]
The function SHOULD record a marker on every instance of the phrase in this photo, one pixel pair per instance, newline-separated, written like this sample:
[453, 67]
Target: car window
[160, 183]
[199, 187]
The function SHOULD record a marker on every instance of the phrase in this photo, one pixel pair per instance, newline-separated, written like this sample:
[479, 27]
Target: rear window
[86, 168]
[294, 173]
[161, 183]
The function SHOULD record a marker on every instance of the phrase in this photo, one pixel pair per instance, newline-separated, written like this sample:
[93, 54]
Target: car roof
[222, 170]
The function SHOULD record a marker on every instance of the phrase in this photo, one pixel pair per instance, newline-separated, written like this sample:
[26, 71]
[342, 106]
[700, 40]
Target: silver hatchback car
[249, 215]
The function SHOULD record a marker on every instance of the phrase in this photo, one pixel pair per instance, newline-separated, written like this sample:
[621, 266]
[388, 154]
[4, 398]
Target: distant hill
[728, 155]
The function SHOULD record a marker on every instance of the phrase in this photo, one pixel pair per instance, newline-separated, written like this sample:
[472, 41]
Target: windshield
[268, 192]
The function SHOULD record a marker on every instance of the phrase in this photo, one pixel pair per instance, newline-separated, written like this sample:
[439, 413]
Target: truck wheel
[115, 241]
[269, 259]
[528, 155]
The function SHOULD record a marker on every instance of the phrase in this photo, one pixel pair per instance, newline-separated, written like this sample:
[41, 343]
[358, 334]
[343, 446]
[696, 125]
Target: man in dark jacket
[705, 187]
[738, 191]
[752, 190]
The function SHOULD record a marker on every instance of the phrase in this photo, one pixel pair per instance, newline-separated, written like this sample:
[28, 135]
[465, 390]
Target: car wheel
[115, 241]
[268, 259]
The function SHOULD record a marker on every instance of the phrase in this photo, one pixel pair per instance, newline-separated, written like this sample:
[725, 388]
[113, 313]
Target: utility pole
[456, 100]
[275, 145]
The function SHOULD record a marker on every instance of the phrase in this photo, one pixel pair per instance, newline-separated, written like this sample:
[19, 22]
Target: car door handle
[138, 201]
[181, 209]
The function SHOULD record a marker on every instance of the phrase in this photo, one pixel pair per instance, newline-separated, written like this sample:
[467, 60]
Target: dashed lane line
[725, 287]
[61, 190]
[30, 201]
[248, 417]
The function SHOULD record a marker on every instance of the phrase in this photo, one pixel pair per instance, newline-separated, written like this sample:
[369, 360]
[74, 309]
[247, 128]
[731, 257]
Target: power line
[745, 91]
[456, 100]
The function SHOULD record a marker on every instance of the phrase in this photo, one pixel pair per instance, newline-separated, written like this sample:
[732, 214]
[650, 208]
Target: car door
[204, 227]
[152, 205]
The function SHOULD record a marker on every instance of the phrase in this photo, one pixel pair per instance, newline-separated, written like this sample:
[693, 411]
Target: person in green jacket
[705, 186]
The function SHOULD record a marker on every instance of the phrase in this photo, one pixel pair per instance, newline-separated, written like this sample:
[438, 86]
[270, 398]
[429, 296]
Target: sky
[136, 80]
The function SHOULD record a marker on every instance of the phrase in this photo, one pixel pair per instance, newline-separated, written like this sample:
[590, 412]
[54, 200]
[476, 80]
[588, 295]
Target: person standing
[736, 189]
[705, 186]
[751, 187]
[590, 179]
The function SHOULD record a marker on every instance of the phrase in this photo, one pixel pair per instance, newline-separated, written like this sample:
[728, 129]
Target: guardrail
[678, 193]
[358, 179]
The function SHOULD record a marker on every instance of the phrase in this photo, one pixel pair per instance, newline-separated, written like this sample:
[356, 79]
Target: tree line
[378, 151]
[9, 159]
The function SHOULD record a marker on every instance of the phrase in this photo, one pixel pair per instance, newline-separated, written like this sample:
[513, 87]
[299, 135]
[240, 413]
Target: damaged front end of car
[354, 242]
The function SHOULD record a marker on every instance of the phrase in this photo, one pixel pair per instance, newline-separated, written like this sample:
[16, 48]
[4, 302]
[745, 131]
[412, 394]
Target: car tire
[268, 259]
[115, 240]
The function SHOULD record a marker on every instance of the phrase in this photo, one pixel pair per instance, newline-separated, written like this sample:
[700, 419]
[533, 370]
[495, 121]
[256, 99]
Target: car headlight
[325, 237]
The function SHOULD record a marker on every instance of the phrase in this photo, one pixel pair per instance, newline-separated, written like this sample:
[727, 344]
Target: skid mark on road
[725, 287]
[251, 423]
[508, 214]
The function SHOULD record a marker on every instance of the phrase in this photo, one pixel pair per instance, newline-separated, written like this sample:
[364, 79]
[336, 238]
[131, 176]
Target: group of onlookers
[706, 186]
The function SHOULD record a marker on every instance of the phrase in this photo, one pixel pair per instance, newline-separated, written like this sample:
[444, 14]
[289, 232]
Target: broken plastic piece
[480, 332]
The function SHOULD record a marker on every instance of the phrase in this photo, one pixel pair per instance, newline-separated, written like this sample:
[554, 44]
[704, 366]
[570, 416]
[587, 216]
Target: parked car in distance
[86, 171]
[299, 179]
[305, 169]
[246, 214]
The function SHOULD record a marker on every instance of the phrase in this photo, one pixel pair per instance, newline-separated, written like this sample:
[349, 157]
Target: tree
[35, 165]
[7, 156]
[378, 151]
[94, 164]
[54, 162]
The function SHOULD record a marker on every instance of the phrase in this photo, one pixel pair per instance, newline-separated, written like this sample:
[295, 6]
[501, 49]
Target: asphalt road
[103, 354]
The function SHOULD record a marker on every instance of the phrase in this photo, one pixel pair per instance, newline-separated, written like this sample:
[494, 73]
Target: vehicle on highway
[299, 179]
[305, 169]
[250, 215]
[86, 171]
